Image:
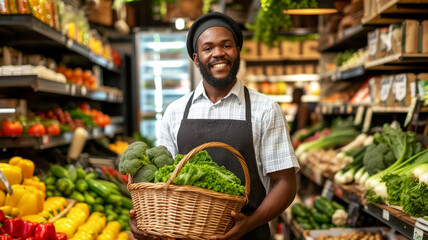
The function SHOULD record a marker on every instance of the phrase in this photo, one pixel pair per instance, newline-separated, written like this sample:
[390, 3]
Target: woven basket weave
[181, 211]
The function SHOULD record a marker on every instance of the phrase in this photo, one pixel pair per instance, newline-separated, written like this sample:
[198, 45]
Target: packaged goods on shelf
[250, 49]
[378, 233]
[269, 52]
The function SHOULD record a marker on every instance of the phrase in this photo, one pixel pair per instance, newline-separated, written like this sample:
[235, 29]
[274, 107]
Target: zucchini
[98, 188]
[91, 175]
[108, 184]
[337, 205]
[114, 199]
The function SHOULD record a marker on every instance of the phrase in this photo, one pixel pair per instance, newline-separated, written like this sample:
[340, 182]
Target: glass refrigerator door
[164, 76]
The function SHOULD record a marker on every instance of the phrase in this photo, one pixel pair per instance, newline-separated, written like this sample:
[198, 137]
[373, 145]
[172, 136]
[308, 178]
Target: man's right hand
[138, 234]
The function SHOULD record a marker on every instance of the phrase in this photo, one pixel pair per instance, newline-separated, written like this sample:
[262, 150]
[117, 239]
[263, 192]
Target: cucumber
[91, 175]
[77, 196]
[98, 188]
[81, 185]
[51, 180]
[324, 206]
[108, 184]
[89, 199]
[299, 209]
[320, 218]
[81, 174]
[337, 205]
[126, 203]
[59, 171]
[114, 199]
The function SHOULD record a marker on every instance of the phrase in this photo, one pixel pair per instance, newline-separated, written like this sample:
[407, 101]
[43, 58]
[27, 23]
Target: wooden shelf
[352, 38]
[399, 61]
[395, 11]
[284, 78]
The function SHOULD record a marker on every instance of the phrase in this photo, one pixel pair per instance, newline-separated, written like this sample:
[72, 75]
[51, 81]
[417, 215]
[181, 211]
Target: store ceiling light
[323, 7]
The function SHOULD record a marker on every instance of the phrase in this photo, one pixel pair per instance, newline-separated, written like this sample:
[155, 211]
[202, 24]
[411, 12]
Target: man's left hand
[238, 230]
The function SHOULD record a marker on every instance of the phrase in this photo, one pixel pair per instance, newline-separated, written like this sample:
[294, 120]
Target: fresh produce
[36, 129]
[347, 174]
[363, 235]
[202, 171]
[12, 128]
[322, 215]
[29, 200]
[118, 146]
[160, 156]
[99, 195]
[145, 173]
[26, 165]
[12, 173]
[134, 158]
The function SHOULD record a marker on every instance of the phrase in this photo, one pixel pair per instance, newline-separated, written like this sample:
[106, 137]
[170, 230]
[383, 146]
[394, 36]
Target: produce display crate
[169, 210]
[386, 233]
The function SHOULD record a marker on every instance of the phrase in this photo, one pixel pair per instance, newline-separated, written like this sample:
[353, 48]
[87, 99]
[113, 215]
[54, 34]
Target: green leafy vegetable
[133, 158]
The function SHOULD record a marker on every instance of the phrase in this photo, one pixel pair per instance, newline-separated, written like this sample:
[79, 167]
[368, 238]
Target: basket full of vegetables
[190, 197]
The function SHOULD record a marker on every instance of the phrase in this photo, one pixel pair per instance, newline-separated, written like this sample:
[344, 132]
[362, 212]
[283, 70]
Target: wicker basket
[188, 212]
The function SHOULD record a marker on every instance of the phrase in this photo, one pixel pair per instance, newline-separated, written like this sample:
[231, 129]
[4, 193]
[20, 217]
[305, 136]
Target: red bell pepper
[29, 229]
[5, 237]
[30, 238]
[2, 231]
[2, 217]
[13, 226]
[61, 236]
[45, 231]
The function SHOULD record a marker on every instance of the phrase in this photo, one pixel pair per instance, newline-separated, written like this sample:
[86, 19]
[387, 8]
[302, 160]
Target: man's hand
[240, 228]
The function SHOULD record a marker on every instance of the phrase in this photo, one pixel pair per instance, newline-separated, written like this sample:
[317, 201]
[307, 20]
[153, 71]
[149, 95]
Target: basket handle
[209, 145]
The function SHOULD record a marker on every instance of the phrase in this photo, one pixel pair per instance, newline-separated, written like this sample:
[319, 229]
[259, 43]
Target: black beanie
[209, 20]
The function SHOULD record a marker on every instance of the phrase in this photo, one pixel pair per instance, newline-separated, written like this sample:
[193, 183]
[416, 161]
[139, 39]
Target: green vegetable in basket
[133, 158]
[160, 156]
[145, 174]
[202, 171]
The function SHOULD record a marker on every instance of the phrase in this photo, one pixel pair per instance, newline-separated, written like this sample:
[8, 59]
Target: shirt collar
[237, 90]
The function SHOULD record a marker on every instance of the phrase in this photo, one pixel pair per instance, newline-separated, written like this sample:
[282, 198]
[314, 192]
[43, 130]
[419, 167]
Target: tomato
[53, 129]
[37, 129]
[12, 128]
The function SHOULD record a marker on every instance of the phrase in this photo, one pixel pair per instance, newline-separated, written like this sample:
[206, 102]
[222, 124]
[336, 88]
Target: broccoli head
[160, 156]
[133, 158]
[145, 174]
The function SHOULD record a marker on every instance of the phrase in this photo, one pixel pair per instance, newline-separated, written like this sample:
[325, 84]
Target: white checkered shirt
[272, 144]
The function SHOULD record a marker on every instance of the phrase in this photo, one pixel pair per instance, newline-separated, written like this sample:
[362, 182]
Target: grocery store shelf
[284, 78]
[391, 216]
[296, 59]
[35, 35]
[354, 37]
[396, 219]
[350, 108]
[395, 11]
[47, 86]
[344, 73]
[399, 61]
[49, 141]
[288, 98]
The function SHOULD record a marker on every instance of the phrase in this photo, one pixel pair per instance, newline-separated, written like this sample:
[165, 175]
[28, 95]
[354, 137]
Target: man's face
[217, 57]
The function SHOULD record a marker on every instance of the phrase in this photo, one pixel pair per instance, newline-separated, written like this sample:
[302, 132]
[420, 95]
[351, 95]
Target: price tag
[385, 88]
[349, 109]
[359, 116]
[96, 132]
[385, 215]
[317, 177]
[83, 91]
[400, 85]
[413, 111]
[328, 190]
[353, 210]
[73, 90]
[69, 43]
[367, 120]
[46, 140]
[418, 234]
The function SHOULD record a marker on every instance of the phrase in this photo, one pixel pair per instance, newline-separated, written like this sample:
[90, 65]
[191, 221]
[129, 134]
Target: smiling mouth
[220, 65]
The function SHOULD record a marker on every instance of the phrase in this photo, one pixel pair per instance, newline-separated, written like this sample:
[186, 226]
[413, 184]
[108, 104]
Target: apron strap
[189, 103]
[247, 105]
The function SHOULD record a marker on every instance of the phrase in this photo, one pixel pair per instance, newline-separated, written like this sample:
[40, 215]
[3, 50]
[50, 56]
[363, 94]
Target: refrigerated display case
[163, 75]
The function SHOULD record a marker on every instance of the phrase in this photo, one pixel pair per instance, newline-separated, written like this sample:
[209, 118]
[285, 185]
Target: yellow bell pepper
[18, 192]
[11, 211]
[123, 236]
[2, 198]
[27, 199]
[26, 165]
[34, 183]
[12, 173]
[34, 218]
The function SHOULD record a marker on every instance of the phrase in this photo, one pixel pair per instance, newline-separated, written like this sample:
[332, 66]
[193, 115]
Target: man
[222, 109]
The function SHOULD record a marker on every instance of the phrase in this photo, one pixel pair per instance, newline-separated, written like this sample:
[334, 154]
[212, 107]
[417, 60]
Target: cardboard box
[103, 14]
[310, 48]
[424, 26]
[250, 49]
[290, 49]
[289, 69]
[267, 52]
[335, 232]
[274, 70]
[410, 31]
[309, 68]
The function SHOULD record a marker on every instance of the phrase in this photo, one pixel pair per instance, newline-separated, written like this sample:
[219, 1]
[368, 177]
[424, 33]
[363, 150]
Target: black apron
[238, 134]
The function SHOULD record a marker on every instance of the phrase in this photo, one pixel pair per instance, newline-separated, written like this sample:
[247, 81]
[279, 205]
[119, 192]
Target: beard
[219, 83]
